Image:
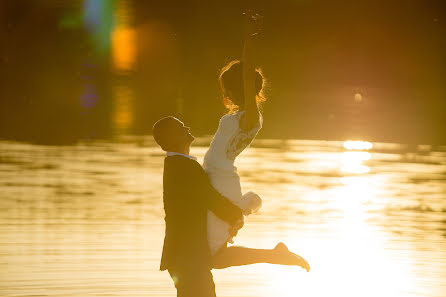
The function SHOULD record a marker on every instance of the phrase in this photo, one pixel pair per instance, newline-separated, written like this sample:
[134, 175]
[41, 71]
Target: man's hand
[234, 229]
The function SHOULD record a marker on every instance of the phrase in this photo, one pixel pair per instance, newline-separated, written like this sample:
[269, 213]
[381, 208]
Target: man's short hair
[161, 131]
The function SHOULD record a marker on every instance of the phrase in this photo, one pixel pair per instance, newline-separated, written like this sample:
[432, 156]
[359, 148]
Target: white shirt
[180, 154]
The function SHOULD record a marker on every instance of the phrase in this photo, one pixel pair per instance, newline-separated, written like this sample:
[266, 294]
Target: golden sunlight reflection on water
[358, 145]
[87, 220]
[352, 161]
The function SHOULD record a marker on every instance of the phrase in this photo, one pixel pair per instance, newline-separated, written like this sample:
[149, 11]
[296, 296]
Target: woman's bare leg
[238, 255]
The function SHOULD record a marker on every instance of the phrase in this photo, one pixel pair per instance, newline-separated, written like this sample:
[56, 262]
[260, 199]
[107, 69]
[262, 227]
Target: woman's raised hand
[252, 23]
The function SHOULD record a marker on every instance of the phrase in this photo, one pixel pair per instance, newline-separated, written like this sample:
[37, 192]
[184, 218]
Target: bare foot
[286, 257]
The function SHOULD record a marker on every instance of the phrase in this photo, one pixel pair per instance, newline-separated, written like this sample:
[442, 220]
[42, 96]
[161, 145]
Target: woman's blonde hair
[231, 83]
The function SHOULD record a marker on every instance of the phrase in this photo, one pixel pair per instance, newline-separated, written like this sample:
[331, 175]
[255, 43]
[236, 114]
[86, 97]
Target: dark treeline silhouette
[368, 70]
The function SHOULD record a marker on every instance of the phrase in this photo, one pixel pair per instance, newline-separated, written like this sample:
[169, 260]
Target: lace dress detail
[228, 142]
[241, 140]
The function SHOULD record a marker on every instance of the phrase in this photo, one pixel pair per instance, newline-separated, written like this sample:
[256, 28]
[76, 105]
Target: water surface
[87, 220]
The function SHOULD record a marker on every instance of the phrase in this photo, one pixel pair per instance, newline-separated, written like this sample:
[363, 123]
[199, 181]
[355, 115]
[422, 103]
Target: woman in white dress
[242, 86]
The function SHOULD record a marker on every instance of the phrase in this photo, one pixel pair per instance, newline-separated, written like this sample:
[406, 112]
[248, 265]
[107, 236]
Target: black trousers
[193, 282]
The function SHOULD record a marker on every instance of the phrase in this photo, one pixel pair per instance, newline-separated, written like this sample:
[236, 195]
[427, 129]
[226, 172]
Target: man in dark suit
[188, 195]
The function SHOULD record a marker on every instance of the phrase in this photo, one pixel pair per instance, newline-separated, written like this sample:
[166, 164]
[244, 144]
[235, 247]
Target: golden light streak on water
[87, 220]
[357, 145]
[352, 162]
[357, 259]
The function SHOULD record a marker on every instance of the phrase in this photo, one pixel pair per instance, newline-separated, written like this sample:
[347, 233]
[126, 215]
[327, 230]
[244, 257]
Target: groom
[188, 195]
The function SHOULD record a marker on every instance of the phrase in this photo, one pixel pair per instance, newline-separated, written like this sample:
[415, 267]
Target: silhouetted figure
[202, 218]
[188, 196]
[242, 87]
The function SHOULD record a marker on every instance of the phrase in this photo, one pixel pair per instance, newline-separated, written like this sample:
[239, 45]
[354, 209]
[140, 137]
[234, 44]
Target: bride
[242, 87]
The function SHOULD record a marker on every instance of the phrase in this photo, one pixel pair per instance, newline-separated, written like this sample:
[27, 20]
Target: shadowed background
[94, 69]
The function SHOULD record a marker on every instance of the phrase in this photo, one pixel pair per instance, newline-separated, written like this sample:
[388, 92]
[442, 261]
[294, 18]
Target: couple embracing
[204, 206]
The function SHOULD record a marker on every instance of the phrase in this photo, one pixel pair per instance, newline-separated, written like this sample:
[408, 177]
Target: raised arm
[251, 30]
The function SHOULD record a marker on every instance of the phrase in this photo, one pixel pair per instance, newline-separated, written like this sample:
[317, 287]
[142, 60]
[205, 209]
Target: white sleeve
[242, 139]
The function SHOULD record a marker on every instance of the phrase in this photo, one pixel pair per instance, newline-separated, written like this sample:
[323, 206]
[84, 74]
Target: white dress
[228, 142]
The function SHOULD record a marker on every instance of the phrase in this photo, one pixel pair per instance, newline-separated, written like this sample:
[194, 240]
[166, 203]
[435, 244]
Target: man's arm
[212, 199]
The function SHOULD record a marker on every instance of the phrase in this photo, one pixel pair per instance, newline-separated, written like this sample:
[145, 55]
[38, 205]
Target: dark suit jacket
[188, 195]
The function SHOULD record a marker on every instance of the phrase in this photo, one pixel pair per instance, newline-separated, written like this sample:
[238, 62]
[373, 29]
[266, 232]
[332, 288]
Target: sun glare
[357, 145]
[352, 162]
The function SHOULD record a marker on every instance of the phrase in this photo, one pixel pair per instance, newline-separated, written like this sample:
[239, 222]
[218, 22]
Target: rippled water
[87, 220]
